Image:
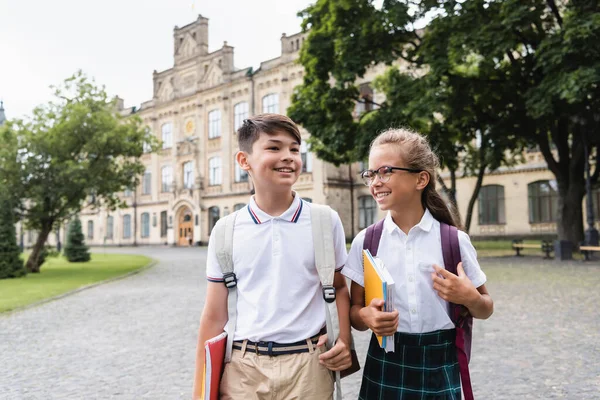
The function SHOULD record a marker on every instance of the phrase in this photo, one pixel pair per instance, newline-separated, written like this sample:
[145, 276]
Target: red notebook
[214, 356]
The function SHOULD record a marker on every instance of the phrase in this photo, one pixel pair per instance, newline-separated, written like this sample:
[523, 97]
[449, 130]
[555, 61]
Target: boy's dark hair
[270, 124]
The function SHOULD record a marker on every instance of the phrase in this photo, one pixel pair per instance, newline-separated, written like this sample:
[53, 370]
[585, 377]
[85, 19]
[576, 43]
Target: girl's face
[403, 189]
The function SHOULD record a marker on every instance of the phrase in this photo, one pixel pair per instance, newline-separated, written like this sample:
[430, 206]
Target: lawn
[58, 276]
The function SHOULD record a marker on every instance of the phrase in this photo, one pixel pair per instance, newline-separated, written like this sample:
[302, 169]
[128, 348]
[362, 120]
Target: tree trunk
[570, 212]
[451, 192]
[351, 181]
[32, 264]
[474, 196]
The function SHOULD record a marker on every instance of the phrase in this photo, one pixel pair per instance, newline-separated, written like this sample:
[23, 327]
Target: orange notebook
[214, 356]
[379, 284]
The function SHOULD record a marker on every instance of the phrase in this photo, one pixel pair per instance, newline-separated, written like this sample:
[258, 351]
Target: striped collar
[292, 214]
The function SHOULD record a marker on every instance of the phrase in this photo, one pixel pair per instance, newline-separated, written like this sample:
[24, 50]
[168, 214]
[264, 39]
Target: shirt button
[414, 310]
[410, 278]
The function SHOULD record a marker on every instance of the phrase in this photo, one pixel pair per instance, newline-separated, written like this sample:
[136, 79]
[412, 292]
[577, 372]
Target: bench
[546, 246]
[588, 251]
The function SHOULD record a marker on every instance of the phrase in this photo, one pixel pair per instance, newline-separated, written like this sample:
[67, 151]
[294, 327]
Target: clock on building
[189, 127]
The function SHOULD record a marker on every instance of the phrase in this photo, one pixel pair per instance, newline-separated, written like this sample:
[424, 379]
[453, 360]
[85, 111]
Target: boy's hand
[457, 289]
[382, 323]
[338, 358]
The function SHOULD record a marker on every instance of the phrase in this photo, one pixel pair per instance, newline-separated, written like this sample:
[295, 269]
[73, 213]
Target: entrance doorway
[186, 228]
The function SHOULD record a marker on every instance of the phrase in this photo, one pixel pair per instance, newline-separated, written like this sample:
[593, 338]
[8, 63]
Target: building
[196, 107]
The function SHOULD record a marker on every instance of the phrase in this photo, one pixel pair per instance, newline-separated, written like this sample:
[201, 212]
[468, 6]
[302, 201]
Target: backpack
[458, 313]
[322, 232]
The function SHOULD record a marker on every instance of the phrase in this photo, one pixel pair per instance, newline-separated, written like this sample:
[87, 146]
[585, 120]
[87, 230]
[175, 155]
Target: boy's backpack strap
[458, 313]
[373, 236]
[223, 236]
[322, 230]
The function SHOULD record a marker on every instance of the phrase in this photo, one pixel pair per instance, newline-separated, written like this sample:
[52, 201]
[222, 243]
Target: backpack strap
[322, 231]
[458, 313]
[223, 236]
[373, 236]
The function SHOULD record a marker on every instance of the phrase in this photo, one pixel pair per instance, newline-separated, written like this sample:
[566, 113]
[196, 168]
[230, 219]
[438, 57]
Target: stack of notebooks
[214, 355]
[379, 284]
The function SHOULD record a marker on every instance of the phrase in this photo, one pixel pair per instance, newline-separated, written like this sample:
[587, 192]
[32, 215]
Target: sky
[120, 43]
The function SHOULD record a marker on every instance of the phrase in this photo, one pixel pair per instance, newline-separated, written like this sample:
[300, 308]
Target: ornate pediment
[213, 76]
[186, 147]
[166, 92]
[187, 48]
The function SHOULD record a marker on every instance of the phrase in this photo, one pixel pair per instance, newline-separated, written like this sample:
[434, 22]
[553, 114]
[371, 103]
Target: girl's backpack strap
[223, 236]
[373, 236]
[458, 313]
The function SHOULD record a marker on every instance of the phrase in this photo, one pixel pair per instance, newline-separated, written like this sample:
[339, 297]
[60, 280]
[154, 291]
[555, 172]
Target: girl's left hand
[456, 289]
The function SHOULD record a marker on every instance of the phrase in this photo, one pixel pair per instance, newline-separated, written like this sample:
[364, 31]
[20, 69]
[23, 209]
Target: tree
[75, 152]
[11, 265]
[512, 73]
[75, 249]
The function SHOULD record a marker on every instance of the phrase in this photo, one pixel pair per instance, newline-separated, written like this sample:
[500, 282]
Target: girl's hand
[456, 289]
[382, 323]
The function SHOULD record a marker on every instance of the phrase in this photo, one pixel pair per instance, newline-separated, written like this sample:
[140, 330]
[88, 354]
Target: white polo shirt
[409, 259]
[279, 292]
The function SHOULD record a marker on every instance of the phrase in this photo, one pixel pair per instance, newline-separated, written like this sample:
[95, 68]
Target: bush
[11, 265]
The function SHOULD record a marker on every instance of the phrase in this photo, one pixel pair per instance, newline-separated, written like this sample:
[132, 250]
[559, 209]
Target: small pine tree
[11, 265]
[75, 249]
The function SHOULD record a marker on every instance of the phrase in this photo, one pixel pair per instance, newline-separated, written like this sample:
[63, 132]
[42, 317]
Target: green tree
[74, 152]
[11, 265]
[501, 74]
[75, 248]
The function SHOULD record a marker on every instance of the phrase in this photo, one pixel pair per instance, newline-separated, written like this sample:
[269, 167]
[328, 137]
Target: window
[238, 206]
[213, 217]
[365, 102]
[126, 226]
[127, 192]
[145, 225]
[167, 178]
[188, 175]
[270, 103]
[167, 136]
[543, 202]
[214, 171]
[240, 113]
[163, 224]
[306, 157]
[90, 233]
[491, 205]
[214, 124]
[240, 174]
[307, 199]
[146, 148]
[366, 211]
[147, 183]
[109, 227]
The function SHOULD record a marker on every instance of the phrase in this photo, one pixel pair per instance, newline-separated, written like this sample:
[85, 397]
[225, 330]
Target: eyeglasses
[383, 173]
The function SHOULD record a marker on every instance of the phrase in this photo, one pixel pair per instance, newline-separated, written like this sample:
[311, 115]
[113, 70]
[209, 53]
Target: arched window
[367, 208]
[213, 217]
[270, 103]
[214, 124]
[306, 157]
[167, 135]
[307, 199]
[109, 227]
[126, 226]
[238, 206]
[543, 202]
[90, 229]
[240, 113]
[167, 178]
[145, 225]
[491, 205]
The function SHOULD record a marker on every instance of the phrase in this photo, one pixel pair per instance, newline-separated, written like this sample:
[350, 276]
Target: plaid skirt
[423, 367]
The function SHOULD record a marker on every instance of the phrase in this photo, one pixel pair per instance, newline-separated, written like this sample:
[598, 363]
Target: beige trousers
[284, 377]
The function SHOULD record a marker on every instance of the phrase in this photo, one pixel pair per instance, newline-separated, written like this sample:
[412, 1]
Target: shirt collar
[292, 214]
[425, 224]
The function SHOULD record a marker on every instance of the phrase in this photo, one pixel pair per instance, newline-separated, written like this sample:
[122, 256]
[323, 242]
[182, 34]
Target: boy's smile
[275, 161]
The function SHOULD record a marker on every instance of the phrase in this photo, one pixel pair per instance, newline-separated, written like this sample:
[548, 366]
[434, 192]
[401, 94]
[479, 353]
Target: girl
[424, 365]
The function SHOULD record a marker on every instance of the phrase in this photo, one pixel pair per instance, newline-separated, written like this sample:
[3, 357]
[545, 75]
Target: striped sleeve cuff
[211, 279]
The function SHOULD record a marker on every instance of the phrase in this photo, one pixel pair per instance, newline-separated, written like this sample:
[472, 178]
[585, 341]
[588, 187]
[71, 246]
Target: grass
[58, 276]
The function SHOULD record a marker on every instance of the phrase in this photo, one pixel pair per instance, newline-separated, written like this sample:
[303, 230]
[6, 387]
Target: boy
[280, 299]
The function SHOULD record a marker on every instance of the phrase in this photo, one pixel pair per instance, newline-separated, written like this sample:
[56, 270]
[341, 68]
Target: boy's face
[275, 160]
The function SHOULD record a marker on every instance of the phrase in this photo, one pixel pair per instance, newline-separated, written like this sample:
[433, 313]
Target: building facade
[193, 180]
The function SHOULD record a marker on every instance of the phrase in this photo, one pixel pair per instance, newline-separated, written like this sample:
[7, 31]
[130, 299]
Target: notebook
[214, 356]
[379, 284]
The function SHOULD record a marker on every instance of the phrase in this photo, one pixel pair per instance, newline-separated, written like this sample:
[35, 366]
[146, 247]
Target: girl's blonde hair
[417, 154]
